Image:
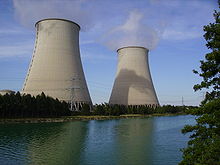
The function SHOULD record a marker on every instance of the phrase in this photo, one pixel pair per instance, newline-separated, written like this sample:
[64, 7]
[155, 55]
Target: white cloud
[85, 42]
[11, 31]
[96, 57]
[175, 34]
[16, 50]
[139, 23]
[28, 12]
[185, 19]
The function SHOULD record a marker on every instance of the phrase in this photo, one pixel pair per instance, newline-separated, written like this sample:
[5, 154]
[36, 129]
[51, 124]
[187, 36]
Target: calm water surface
[148, 141]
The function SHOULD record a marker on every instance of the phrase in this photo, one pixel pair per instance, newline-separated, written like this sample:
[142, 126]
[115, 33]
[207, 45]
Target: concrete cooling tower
[56, 67]
[133, 84]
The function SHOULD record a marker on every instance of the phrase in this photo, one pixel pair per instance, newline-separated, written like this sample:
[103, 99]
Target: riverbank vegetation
[116, 110]
[27, 106]
[204, 144]
[23, 106]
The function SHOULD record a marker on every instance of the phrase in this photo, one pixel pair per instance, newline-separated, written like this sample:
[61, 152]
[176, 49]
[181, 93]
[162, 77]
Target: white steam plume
[133, 32]
[28, 12]
[147, 22]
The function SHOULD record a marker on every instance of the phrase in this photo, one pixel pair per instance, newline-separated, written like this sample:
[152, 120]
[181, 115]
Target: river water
[136, 141]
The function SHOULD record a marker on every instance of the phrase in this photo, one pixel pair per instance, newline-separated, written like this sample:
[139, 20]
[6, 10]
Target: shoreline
[81, 118]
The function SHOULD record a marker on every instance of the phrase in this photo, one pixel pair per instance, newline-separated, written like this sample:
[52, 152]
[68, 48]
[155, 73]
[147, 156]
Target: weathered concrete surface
[56, 67]
[133, 84]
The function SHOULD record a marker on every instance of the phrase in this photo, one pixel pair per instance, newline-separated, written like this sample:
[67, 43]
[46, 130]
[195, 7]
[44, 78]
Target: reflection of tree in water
[57, 143]
[42, 143]
[123, 142]
[125, 81]
[134, 141]
[100, 143]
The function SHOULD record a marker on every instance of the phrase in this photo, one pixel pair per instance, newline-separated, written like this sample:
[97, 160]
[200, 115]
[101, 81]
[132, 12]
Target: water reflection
[134, 140]
[100, 143]
[48, 143]
[60, 145]
[121, 142]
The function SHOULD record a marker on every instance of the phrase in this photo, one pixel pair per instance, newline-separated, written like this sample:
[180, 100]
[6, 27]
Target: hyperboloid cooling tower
[133, 84]
[56, 67]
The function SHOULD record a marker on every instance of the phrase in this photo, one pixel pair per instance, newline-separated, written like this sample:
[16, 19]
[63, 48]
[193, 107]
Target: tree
[85, 109]
[204, 144]
[210, 67]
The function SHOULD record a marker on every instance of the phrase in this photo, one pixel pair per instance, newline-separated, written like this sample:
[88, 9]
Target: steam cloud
[133, 32]
[143, 26]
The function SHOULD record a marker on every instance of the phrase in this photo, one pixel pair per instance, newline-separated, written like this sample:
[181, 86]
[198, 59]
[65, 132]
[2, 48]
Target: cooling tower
[56, 67]
[133, 84]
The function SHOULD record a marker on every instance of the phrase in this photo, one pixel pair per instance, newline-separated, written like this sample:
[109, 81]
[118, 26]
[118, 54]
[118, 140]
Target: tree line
[21, 106]
[116, 110]
[27, 106]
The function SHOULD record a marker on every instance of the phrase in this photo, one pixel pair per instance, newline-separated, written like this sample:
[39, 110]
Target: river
[135, 141]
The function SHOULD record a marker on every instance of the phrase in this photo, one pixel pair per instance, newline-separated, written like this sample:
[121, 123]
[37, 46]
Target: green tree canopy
[210, 67]
[204, 144]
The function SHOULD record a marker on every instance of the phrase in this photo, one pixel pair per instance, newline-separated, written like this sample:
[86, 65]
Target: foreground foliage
[210, 67]
[204, 144]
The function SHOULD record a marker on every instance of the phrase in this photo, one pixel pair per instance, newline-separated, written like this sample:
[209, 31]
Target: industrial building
[6, 91]
[56, 67]
[133, 83]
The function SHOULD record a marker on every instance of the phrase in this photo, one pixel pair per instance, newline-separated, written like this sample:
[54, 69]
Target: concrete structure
[6, 91]
[56, 67]
[133, 84]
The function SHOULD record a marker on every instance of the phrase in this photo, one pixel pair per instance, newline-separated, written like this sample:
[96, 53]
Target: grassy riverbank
[80, 118]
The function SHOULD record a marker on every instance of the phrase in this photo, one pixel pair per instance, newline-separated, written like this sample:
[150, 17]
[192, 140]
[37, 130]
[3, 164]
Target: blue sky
[171, 29]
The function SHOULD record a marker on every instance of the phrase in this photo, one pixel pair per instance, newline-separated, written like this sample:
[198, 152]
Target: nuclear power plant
[133, 83]
[56, 67]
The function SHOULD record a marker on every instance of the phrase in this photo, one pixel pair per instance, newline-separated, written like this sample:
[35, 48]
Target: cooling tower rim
[132, 47]
[60, 19]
